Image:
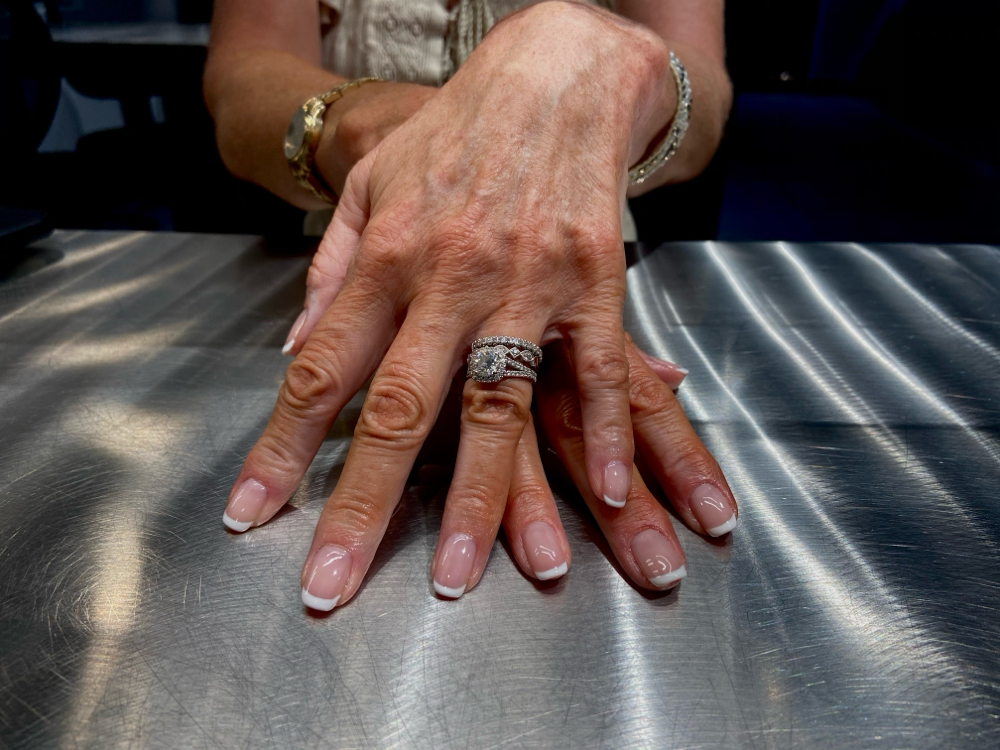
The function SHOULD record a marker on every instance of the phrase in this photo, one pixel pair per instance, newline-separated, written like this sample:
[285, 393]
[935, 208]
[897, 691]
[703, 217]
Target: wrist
[340, 148]
[356, 124]
[627, 65]
[655, 97]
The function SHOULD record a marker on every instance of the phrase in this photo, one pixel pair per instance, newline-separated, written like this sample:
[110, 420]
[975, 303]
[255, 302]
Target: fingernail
[327, 578]
[713, 510]
[615, 484]
[666, 370]
[244, 505]
[454, 566]
[290, 341]
[661, 561]
[545, 555]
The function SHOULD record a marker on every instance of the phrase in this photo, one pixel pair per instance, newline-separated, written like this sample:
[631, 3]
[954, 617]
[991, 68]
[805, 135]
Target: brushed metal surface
[849, 391]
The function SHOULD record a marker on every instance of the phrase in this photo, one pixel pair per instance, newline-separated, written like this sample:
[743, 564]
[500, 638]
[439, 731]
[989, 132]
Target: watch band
[310, 117]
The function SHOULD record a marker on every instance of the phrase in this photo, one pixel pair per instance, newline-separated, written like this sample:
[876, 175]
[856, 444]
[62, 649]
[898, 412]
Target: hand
[493, 210]
[640, 535]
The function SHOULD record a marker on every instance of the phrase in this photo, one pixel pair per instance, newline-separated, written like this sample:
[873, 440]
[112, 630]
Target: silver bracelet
[669, 145]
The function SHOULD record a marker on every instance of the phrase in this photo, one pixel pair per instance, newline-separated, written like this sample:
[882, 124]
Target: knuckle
[532, 498]
[495, 405]
[648, 394]
[690, 458]
[273, 457]
[599, 244]
[383, 249]
[460, 243]
[606, 369]
[309, 381]
[396, 412]
[477, 505]
[357, 512]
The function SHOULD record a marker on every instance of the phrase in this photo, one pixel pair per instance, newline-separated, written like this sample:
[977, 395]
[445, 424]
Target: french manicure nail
[615, 484]
[662, 563]
[545, 555]
[327, 578]
[713, 510]
[454, 566]
[290, 341]
[667, 371]
[245, 505]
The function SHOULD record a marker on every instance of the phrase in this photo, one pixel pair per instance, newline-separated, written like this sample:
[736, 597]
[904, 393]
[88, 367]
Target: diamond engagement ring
[497, 357]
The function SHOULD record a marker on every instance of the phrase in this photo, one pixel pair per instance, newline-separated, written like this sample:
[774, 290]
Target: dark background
[864, 120]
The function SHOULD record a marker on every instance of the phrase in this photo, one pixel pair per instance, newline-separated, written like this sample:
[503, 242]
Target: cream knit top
[416, 41]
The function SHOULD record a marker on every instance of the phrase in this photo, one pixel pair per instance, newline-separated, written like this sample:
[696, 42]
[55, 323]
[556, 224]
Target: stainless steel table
[849, 391]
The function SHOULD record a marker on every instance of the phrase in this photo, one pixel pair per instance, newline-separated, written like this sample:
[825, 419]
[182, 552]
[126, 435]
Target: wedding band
[497, 357]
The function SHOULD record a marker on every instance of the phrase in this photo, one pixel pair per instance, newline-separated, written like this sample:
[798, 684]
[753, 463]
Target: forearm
[252, 95]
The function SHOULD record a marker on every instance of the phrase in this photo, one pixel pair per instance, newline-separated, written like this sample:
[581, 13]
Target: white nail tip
[548, 575]
[614, 504]
[235, 525]
[449, 592]
[683, 371]
[314, 602]
[724, 528]
[668, 579]
[288, 346]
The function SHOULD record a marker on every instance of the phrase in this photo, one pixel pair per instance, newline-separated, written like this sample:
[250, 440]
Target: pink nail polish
[671, 374]
[296, 327]
[327, 578]
[615, 484]
[545, 555]
[454, 565]
[661, 562]
[245, 505]
[713, 510]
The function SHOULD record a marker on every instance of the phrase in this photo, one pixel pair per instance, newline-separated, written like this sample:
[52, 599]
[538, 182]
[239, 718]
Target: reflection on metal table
[850, 392]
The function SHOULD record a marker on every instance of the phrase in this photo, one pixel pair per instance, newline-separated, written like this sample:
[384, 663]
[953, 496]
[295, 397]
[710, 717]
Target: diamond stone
[488, 364]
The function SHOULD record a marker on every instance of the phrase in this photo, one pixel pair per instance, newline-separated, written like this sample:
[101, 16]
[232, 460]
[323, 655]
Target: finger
[640, 534]
[598, 350]
[683, 466]
[322, 379]
[671, 374]
[493, 418]
[401, 406]
[531, 519]
[329, 265]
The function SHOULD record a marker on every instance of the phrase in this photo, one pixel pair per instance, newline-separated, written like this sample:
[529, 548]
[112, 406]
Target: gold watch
[302, 138]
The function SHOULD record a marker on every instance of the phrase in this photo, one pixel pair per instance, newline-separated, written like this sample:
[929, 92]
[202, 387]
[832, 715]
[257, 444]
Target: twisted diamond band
[497, 357]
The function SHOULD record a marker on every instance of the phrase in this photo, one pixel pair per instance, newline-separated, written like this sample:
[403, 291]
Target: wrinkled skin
[493, 210]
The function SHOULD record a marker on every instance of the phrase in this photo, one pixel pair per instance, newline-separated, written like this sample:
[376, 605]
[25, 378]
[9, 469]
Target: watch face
[295, 133]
